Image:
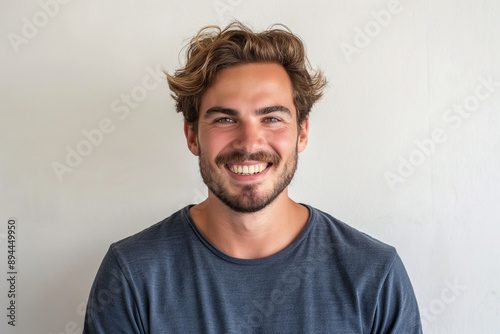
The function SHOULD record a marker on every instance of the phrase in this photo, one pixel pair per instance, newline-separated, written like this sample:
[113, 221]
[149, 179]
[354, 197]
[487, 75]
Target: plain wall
[404, 145]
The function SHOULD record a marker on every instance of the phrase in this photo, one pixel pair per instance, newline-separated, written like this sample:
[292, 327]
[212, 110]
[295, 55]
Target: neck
[250, 235]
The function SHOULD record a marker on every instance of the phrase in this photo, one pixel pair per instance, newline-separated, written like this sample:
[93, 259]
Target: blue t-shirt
[332, 279]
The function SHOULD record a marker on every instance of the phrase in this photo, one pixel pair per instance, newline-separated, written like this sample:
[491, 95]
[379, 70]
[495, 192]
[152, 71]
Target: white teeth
[247, 170]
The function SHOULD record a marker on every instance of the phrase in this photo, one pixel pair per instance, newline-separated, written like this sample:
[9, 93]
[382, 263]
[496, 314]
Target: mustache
[242, 156]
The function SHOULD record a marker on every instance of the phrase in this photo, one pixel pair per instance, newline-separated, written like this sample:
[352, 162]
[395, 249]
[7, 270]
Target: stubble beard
[248, 199]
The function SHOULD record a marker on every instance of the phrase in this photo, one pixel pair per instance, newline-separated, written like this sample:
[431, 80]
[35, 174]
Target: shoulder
[345, 236]
[372, 272]
[350, 247]
[159, 239]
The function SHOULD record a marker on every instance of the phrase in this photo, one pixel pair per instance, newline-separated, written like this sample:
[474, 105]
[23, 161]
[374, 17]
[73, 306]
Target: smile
[247, 169]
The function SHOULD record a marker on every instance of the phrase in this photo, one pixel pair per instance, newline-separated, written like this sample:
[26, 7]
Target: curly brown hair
[214, 49]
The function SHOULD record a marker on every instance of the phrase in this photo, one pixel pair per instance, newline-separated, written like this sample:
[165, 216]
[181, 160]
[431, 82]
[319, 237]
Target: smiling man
[249, 259]
[247, 139]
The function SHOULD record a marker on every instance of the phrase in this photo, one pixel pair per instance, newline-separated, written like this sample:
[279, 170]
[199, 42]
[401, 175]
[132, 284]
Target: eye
[271, 119]
[224, 120]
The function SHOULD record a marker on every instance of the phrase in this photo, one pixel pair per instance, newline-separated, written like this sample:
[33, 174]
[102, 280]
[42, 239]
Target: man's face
[248, 138]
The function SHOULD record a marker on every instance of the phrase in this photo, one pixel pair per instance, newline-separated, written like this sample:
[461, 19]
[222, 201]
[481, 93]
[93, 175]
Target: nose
[249, 137]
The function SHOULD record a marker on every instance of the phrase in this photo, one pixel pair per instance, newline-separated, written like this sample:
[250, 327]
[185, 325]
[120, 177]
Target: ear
[303, 133]
[191, 138]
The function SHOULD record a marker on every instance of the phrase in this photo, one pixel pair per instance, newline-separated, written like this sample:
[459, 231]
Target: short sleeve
[111, 307]
[397, 308]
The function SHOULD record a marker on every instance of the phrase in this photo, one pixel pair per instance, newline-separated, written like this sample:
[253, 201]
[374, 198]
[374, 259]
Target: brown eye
[224, 120]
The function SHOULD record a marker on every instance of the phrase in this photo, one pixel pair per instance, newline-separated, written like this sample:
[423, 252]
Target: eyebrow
[259, 112]
[221, 110]
[268, 110]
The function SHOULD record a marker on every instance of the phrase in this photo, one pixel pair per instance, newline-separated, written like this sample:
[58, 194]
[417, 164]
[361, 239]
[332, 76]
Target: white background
[70, 70]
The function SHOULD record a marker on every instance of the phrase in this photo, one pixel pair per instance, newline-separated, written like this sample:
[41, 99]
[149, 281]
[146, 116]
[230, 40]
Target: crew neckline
[250, 262]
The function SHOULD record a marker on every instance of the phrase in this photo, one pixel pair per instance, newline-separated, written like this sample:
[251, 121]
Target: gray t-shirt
[332, 279]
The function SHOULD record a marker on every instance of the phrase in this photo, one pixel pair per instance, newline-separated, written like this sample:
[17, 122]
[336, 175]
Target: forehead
[249, 85]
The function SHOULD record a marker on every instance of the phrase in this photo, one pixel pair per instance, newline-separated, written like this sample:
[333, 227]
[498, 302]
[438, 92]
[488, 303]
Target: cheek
[213, 142]
[283, 141]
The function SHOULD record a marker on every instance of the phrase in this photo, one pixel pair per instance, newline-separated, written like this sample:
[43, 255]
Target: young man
[249, 259]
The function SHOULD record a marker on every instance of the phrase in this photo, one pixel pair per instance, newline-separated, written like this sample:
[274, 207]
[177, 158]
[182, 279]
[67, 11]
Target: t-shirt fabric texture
[332, 279]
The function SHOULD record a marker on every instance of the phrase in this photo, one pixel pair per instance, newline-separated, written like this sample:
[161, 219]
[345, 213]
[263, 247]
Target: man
[249, 259]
